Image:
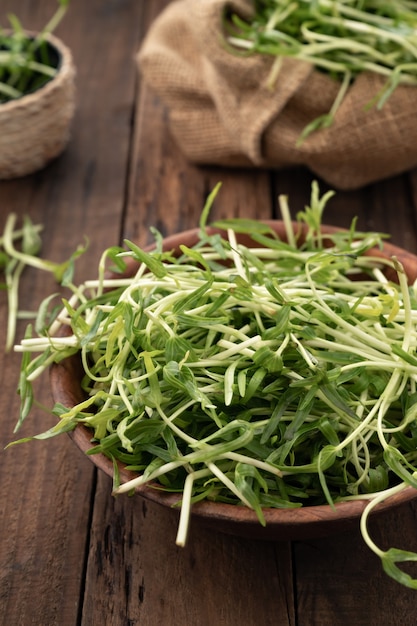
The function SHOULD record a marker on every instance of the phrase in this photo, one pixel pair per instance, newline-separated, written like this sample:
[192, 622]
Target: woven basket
[35, 128]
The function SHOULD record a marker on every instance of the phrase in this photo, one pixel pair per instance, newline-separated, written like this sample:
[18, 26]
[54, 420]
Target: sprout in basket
[37, 96]
[26, 62]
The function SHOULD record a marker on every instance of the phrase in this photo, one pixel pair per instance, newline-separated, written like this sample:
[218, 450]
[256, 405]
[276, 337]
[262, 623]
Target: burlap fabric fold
[223, 111]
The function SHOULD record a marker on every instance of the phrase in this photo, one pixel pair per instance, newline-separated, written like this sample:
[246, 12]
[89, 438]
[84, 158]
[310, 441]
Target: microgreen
[26, 62]
[342, 38]
[20, 248]
[275, 374]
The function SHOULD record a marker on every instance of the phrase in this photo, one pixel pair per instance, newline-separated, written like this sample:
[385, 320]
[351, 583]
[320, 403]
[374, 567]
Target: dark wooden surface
[70, 554]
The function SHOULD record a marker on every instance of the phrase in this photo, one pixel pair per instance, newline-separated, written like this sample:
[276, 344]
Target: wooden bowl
[281, 524]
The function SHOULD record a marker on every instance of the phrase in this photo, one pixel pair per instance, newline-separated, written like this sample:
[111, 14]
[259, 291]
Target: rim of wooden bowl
[281, 524]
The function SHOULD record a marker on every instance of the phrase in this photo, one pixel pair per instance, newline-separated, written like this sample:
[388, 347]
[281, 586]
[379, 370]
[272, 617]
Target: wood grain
[70, 553]
[46, 506]
[339, 581]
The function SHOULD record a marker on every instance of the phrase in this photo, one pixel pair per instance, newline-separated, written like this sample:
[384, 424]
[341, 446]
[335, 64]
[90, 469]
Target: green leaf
[245, 226]
[390, 558]
[246, 476]
[149, 259]
[208, 205]
[397, 462]
[326, 458]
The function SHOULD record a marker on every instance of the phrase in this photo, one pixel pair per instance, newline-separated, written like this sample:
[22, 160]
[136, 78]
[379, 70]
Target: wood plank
[340, 581]
[138, 574]
[46, 488]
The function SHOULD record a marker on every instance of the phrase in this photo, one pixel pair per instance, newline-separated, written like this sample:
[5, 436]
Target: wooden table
[69, 552]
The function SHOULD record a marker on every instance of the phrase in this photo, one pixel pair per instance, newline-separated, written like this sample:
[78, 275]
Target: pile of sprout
[277, 374]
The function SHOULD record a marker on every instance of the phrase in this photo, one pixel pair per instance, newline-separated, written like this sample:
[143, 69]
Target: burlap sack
[222, 111]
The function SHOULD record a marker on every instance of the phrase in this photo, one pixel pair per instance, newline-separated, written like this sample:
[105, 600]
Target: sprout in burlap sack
[250, 109]
[342, 38]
